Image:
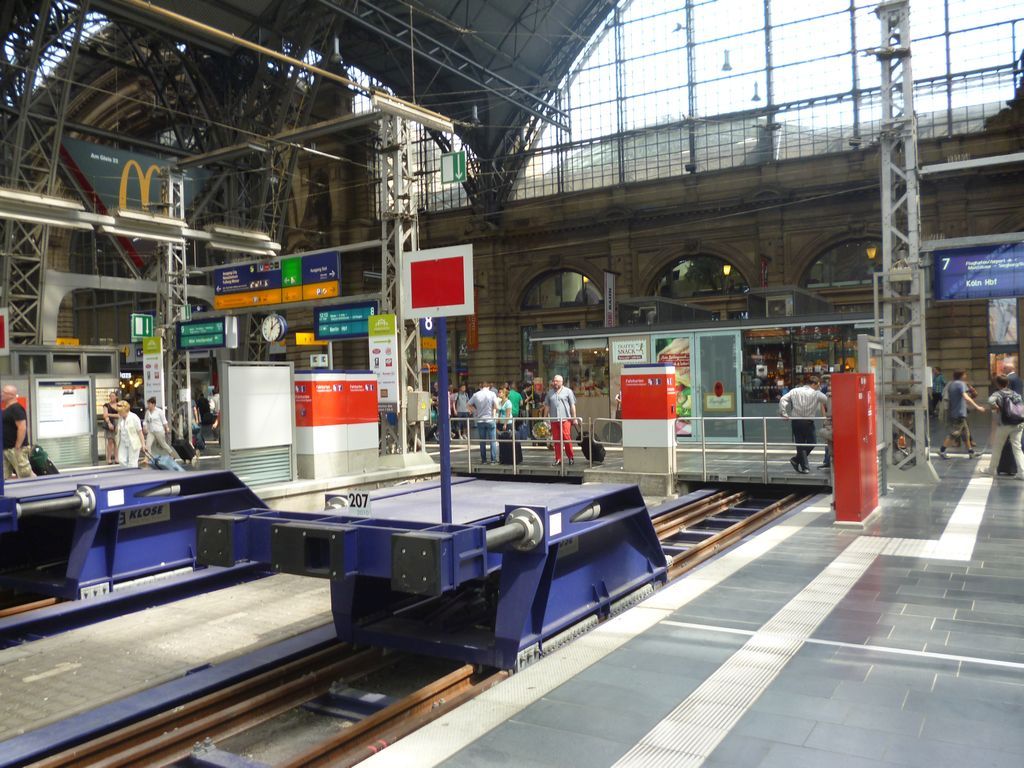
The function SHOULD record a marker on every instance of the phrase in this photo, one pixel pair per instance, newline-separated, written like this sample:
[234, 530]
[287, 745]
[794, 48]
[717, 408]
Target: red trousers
[561, 431]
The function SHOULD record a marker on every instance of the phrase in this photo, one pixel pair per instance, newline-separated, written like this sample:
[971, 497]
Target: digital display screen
[347, 322]
[981, 272]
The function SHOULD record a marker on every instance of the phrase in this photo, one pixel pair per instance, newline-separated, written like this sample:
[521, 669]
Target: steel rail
[380, 729]
[711, 546]
[171, 735]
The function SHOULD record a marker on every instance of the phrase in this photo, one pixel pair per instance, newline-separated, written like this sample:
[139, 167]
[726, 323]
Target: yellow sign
[67, 342]
[308, 340]
[152, 345]
[428, 343]
[145, 180]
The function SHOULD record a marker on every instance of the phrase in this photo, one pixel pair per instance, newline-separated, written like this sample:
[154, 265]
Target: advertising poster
[153, 369]
[383, 344]
[62, 409]
[678, 351]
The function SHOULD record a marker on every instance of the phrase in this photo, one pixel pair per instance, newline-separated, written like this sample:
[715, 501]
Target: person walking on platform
[1010, 407]
[15, 435]
[462, 411]
[155, 427]
[1016, 383]
[560, 407]
[129, 436]
[960, 430]
[938, 387]
[110, 426]
[483, 406]
[800, 406]
[517, 400]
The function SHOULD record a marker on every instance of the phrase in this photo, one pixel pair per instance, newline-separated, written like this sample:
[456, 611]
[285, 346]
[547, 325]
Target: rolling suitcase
[505, 449]
[166, 463]
[592, 449]
[184, 449]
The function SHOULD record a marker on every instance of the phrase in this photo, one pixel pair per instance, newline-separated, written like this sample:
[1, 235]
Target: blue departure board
[982, 272]
[348, 321]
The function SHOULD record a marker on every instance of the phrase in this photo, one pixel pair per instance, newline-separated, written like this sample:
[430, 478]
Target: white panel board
[261, 406]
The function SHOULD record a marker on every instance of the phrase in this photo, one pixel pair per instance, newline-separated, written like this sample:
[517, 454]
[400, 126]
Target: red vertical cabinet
[854, 461]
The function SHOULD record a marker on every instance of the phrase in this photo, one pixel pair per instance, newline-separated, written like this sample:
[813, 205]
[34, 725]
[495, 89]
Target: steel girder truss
[46, 35]
[172, 308]
[901, 285]
[398, 235]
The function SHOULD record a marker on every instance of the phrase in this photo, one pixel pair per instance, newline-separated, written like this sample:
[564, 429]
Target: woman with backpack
[1010, 407]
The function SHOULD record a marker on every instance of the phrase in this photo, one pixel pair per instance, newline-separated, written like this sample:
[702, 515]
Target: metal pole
[764, 440]
[444, 430]
[703, 451]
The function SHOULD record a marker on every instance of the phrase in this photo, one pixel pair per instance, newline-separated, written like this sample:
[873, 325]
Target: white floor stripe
[693, 730]
[858, 646]
[441, 739]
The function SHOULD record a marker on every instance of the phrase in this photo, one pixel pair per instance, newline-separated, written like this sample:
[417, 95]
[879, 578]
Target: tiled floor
[904, 660]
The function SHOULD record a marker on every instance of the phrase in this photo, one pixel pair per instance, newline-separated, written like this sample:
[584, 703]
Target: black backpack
[1011, 409]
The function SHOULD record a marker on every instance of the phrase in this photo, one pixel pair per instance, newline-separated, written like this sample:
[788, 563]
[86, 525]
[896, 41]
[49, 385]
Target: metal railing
[721, 443]
[608, 432]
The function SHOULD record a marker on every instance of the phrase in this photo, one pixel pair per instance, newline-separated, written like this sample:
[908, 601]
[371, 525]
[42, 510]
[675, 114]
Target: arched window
[564, 288]
[848, 264]
[700, 276]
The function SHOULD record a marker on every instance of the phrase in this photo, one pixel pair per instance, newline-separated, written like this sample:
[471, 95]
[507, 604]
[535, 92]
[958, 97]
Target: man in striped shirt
[800, 405]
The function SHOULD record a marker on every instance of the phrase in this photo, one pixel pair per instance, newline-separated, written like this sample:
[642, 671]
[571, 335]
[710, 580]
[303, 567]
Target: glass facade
[556, 290]
[700, 276]
[669, 87]
[845, 265]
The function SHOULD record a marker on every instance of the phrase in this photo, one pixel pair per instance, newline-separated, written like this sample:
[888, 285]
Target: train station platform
[808, 645]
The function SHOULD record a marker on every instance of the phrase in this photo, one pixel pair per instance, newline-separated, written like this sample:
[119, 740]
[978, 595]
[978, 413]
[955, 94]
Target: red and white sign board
[438, 282]
[5, 330]
[336, 411]
[648, 405]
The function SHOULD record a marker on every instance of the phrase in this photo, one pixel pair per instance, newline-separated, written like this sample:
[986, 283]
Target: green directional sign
[291, 272]
[141, 327]
[202, 334]
[453, 168]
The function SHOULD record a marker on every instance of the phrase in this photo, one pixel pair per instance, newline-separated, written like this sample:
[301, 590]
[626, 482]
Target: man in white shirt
[560, 406]
[483, 406]
[155, 428]
[800, 405]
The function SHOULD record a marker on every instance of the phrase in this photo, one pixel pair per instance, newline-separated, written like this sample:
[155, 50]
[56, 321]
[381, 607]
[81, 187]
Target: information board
[62, 409]
[345, 322]
[202, 334]
[983, 272]
[279, 281]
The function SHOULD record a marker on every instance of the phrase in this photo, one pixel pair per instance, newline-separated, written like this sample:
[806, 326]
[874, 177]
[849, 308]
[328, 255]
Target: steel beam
[902, 284]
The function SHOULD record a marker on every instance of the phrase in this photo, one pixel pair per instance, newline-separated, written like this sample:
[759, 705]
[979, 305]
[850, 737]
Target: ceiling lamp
[726, 66]
[871, 251]
[34, 208]
[757, 95]
[224, 237]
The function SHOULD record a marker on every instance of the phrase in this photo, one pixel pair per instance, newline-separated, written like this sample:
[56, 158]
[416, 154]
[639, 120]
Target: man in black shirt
[15, 435]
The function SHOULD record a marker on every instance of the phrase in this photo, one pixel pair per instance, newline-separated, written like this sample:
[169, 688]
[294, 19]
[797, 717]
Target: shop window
[565, 288]
[700, 276]
[582, 363]
[846, 264]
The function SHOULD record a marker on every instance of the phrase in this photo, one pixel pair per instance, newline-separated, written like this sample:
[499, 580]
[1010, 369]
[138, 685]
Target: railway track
[690, 534]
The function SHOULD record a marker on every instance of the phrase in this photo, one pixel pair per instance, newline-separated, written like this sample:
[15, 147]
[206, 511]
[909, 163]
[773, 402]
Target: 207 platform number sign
[358, 503]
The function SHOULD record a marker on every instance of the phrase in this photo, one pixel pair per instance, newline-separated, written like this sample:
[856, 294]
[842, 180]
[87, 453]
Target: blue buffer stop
[522, 567]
